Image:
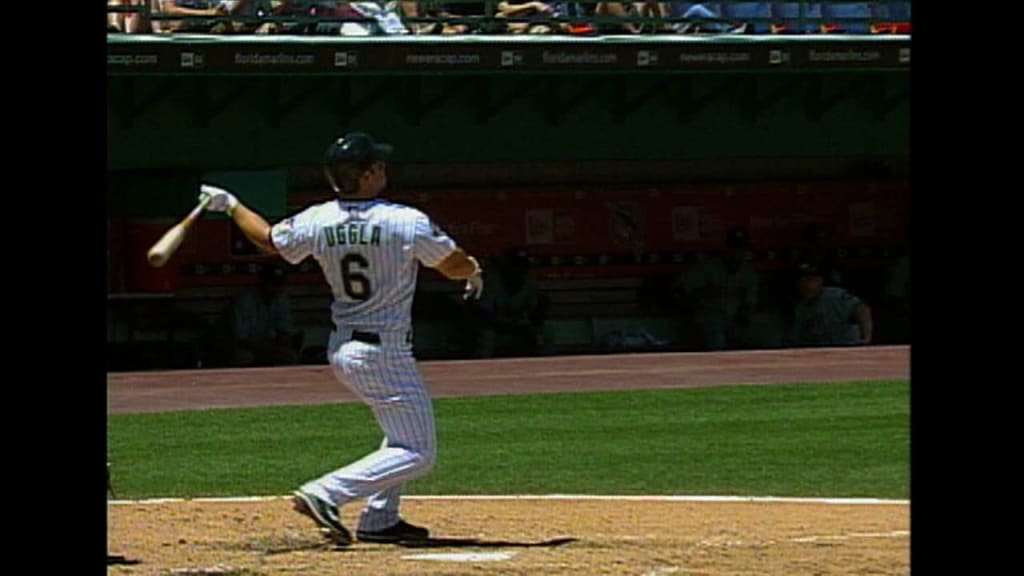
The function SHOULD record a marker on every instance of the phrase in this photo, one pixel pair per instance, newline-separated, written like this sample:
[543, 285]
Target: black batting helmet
[356, 147]
[349, 156]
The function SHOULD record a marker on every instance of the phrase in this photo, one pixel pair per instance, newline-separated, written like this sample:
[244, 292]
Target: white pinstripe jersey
[369, 251]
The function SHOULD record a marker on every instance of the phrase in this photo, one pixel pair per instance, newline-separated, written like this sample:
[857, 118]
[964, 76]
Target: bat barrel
[165, 247]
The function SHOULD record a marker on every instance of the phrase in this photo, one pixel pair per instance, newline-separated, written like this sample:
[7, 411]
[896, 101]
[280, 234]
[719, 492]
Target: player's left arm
[459, 265]
[434, 248]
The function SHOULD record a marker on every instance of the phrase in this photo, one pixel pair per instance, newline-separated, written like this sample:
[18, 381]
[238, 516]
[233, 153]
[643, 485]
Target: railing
[579, 17]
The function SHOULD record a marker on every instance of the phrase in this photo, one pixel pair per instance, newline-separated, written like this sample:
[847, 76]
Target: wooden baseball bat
[165, 247]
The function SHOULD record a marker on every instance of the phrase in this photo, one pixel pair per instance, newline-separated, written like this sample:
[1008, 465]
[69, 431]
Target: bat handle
[198, 209]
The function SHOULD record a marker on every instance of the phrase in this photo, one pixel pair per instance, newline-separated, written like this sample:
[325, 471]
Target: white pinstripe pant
[386, 378]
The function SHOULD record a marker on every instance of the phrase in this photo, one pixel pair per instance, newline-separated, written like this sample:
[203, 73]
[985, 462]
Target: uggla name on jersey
[351, 234]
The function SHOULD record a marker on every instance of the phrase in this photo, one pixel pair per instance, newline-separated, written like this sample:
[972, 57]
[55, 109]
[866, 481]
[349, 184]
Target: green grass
[798, 440]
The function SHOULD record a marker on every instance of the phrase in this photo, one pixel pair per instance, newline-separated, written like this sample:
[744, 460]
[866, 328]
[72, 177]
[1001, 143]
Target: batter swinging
[369, 250]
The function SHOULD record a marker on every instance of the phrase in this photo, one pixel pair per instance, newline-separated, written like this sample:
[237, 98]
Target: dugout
[547, 142]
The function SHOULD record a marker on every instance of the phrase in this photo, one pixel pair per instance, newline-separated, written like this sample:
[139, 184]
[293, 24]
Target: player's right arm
[254, 227]
[292, 238]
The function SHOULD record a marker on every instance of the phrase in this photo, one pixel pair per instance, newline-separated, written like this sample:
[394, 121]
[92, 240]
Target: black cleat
[324, 514]
[401, 532]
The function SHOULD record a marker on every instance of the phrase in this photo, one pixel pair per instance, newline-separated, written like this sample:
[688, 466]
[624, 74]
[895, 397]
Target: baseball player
[724, 289]
[369, 250]
[825, 314]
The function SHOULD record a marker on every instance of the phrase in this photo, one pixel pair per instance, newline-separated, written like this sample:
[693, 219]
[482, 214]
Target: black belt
[368, 337]
[374, 338]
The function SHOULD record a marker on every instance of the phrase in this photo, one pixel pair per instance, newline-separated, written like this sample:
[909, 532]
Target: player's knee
[429, 458]
[425, 459]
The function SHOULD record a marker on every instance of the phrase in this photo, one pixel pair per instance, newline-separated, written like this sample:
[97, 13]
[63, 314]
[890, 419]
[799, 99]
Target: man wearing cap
[369, 250]
[510, 317]
[723, 290]
[828, 315]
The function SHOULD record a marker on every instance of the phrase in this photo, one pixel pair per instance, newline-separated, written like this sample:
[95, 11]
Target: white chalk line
[726, 543]
[665, 570]
[463, 556]
[893, 534]
[623, 498]
[662, 571]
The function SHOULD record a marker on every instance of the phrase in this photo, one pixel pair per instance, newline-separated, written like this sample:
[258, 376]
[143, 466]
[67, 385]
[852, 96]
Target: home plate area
[522, 536]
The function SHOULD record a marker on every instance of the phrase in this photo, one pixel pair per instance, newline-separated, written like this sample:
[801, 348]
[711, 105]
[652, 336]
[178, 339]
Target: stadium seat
[787, 15]
[890, 18]
[679, 9]
[833, 13]
[695, 10]
[900, 11]
[742, 12]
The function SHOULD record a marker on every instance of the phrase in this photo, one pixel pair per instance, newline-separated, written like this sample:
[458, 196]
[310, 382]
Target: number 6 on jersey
[356, 284]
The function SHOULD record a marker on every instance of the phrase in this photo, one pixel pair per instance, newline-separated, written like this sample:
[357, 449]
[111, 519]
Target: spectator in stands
[642, 9]
[828, 315]
[386, 16]
[723, 290]
[252, 8]
[653, 9]
[711, 23]
[262, 328]
[189, 8]
[457, 10]
[115, 21]
[129, 23]
[412, 9]
[386, 20]
[574, 10]
[421, 9]
[313, 9]
[509, 317]
[530, 9]
[617, 10]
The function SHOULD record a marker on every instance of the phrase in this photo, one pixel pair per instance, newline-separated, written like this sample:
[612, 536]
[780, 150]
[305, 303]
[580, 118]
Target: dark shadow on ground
[429, 543]
[476, 543]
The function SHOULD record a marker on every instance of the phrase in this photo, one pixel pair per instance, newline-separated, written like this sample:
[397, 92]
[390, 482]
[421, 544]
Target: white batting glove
[220, 199]
[474, 287]
[475, 283]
